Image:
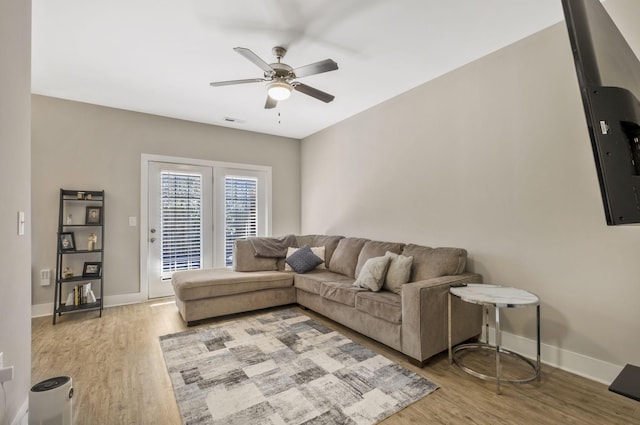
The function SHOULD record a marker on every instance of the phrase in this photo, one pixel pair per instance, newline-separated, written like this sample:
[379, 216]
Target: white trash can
[50, 402]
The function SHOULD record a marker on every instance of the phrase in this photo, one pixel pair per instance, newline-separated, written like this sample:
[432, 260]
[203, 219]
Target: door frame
[145, 159]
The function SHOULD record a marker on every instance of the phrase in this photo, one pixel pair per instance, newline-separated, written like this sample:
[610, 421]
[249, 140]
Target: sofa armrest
[245, 259]
[424, 316]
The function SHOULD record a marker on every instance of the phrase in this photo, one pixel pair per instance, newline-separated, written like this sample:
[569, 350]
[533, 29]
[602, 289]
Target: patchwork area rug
[283, 368]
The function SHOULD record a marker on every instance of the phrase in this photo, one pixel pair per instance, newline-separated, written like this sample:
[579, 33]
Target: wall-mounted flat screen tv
[609, 77]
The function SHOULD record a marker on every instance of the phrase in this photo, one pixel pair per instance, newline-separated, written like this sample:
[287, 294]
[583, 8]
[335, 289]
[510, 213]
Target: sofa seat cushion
[313, 280]
[383, 305]
[340, 292]
[207, 283]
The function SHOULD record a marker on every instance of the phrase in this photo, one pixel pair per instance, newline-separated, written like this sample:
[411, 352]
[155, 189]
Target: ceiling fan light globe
[279, 90]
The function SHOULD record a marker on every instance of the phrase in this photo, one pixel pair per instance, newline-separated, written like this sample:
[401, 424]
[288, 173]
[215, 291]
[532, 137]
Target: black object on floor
[627, 383]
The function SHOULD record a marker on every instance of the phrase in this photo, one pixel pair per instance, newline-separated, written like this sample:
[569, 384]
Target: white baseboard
[22, 417]
[124, 299]
[578, 364]
[40, 310]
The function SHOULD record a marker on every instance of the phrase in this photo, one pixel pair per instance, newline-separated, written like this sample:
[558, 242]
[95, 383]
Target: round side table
[498, 297]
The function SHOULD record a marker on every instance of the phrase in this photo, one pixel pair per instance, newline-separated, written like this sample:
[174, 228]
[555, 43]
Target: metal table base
[535, 366]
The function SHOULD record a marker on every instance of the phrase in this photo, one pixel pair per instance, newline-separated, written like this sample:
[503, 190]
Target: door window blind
[181, 222]
[240, 211]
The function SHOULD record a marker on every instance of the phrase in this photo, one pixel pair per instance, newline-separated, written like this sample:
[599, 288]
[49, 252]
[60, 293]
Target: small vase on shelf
[93, 238]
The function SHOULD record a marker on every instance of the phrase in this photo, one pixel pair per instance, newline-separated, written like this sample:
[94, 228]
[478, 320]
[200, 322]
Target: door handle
[152, 240]
[152, 230]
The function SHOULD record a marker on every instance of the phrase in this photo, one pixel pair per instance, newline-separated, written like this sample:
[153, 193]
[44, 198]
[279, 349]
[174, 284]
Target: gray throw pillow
[373, 272]
[303, 260]
[398, 273]
[318, 250]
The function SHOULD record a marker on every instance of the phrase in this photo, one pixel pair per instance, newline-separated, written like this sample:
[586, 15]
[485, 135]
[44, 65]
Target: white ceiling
[158, 56]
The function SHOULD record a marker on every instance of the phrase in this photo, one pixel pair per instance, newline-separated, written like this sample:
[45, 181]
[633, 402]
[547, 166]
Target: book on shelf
[91, 298]
[81, 294]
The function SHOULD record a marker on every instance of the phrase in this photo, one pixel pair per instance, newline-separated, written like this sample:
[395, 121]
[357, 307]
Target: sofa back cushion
[345, 257]
[434, 262]
[373, 249]
[329, 242]
[245, 260]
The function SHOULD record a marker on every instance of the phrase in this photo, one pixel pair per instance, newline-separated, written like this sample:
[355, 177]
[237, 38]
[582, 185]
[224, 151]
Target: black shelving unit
[74, 253]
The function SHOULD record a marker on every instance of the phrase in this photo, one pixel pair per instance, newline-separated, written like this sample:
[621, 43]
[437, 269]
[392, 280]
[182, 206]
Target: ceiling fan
[281, 77]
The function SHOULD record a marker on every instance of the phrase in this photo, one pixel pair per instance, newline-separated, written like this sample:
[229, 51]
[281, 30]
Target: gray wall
[77, 145]
[15, 251]
[494, 157]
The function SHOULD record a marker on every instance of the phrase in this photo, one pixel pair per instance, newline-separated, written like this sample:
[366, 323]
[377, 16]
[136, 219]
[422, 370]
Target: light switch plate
[6, 374]
[133, 222]
[45, 277]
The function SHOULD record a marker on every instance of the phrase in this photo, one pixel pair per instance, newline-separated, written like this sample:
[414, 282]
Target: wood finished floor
[119, 377]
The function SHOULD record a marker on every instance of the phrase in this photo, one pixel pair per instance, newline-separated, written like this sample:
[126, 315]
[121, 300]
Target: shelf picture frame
[67, 241]
[92, 269]
[93, 215]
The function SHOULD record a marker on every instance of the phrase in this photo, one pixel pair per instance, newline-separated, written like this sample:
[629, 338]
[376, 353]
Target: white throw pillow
[398, 273]
[318, 250]
[372, 274]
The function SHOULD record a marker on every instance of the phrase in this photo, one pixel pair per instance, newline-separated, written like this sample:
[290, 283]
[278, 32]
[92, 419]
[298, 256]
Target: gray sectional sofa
[412, 321]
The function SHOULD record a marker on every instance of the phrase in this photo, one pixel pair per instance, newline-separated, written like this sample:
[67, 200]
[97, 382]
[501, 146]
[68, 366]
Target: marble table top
[499, 296]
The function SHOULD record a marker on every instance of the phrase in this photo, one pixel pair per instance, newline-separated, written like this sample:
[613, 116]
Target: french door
[193, 213]
[240, 208]
[180, 228]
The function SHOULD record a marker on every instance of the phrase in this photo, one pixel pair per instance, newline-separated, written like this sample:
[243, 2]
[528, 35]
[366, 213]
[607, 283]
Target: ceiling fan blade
[270, 103]
[316, 68]
[310, 91]
[255, 59]
[232, 82]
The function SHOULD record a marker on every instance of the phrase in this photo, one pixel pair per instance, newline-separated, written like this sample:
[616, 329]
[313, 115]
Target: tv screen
[609, 76]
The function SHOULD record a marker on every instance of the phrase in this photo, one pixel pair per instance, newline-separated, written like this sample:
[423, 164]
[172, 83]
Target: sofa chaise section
[205, 293]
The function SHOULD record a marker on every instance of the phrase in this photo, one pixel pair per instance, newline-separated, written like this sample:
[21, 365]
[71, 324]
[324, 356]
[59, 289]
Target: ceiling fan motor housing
[282, 70]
